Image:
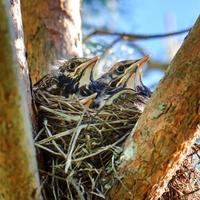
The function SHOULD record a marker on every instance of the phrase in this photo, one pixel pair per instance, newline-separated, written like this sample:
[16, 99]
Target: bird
[71, 75]
[130, 83]
[96, 86]
[111, 77]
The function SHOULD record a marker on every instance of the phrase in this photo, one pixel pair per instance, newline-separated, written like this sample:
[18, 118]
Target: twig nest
[80, 146]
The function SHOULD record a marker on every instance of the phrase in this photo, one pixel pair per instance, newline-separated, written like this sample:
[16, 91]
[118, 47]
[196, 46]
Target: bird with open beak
[115, 72]
[129, 82]
[135, 81]
[73, 74]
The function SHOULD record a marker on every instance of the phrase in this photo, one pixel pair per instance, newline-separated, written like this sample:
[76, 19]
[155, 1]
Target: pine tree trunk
[14, 7]
[18, 169]
[52, 31]
[166, 129]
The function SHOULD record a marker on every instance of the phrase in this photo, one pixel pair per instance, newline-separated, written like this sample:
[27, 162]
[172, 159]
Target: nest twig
[81, 147]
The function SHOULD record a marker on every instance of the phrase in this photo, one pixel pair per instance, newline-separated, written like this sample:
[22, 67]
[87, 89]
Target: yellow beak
[90, 63]
[84, 71]
[87, 101]
[132, 73]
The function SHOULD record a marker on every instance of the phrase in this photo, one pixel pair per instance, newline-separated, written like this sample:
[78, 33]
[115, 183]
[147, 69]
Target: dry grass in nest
[80, 150]
[80, 146]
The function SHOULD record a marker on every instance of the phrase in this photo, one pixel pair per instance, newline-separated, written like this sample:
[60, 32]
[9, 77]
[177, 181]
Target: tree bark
[52, 31]
[18, 169]
[14, 7]
[166, 129]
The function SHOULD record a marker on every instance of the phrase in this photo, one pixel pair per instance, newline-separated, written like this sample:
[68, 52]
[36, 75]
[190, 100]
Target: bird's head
[129, 73]
[116, 71]
[129, 79]
[79, 69]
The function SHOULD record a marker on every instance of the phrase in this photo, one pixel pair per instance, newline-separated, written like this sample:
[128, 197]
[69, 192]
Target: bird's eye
[72, 66]
[120, 69]
[113, 84]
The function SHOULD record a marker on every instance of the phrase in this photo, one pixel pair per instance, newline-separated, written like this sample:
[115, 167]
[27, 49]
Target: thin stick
[73, 142]
[54, 143]
[56, 136]
[47, 149]
[102, 149]
[130, 36]
[65, 117]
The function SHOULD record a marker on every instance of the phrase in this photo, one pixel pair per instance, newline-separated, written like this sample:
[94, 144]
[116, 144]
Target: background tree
[167, 128]
[52, 31]
[18, 169]
[137, 18]
[18, 172]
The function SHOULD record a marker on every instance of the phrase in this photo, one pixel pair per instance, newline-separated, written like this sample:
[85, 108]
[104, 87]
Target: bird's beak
[138, 64]
[84, 71]
[137, 80]
[141, 62]
[133, 72]
[87, 101]
[88, 64]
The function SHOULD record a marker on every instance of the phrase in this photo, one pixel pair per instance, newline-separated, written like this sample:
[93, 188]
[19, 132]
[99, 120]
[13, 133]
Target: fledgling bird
[113, 87]
[129, 83]
[73, 74]
[116, 71]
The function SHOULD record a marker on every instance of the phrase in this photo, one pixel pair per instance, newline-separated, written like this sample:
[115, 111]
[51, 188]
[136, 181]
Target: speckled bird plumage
[71, 75]
[131, 79]
[115, 72]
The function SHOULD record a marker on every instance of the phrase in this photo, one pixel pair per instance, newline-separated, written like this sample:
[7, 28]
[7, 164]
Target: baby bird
[130, 83]
[116, 71]
[73, 74]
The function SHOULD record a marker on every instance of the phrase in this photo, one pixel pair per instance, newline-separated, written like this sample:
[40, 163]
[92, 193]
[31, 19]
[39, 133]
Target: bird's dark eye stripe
[120, 69]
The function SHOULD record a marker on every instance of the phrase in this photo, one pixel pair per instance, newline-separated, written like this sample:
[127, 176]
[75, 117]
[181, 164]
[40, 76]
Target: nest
[79, 150]
[80, 147]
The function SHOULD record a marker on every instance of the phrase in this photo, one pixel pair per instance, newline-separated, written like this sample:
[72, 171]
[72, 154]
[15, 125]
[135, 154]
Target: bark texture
[52, 31]
[166, 129]
[18, 170]
[14, 7]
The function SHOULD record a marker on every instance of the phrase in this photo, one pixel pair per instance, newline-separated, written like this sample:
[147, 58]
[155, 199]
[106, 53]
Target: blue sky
[151, 14]
[145, 17]
[154, 16]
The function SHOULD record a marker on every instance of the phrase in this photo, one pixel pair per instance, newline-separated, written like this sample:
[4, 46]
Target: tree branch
[15, 9]
[131, 36]
[52, 31]
[18, 168]
[166, 129]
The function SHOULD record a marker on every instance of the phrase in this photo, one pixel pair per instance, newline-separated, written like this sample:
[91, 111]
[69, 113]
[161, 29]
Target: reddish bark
[52, 31]
[18, 169]
[166, 129]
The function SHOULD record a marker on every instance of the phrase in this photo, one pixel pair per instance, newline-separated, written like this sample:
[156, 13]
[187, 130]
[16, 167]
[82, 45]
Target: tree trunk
[18, 169]
[14, 7]
[52, 31]
[166, 129]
